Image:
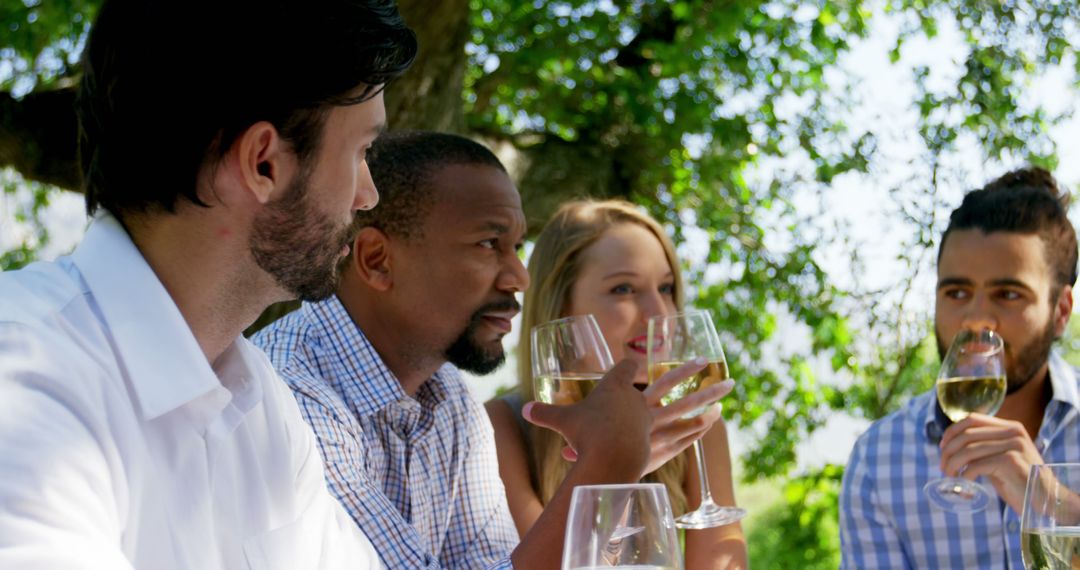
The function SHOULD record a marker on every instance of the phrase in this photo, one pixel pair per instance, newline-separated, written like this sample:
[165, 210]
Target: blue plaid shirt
[886, 520]
[419, 475]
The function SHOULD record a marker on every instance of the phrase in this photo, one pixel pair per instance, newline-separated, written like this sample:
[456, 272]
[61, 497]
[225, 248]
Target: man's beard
[466, 352]
[1022, 363]
[297, 246]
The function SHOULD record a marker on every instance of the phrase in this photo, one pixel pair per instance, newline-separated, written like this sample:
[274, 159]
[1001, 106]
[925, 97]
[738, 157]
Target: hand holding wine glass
[569, 358]
[592, 404]
[673, 341]
[971, 380]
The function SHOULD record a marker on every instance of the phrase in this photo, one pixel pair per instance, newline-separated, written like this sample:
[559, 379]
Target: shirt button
[1013, 526]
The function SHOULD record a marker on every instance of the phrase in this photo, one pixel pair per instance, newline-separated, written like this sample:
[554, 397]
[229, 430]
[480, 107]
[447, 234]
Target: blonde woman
[609, 259]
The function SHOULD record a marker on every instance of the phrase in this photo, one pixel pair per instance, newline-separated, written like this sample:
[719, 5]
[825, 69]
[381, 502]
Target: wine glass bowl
[621, 526]
[1050, 523]
[569, 356]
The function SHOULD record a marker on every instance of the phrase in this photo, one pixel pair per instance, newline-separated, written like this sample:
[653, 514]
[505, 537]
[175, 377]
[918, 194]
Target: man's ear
[1062, 310]
[370, 260]
[264, 162]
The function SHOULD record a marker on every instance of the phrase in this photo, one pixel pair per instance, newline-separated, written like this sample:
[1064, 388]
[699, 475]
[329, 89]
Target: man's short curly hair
[1026, 201]
[402, 165]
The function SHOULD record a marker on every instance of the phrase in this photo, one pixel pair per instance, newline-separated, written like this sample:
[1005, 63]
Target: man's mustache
[507, 304]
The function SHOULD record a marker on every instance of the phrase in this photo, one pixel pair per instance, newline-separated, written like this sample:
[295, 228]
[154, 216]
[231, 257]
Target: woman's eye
[667, 289]
[489, 243]
[622, 289]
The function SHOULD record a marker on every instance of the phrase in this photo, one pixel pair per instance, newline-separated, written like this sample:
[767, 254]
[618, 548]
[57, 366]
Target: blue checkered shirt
[886, 520]
[419, 475]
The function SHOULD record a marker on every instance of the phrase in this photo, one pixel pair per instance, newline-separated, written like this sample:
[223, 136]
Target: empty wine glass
[621, 526]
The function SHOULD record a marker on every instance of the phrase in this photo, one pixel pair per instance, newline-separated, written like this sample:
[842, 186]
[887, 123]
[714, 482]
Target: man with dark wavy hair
[1007, 263]
[223, 150]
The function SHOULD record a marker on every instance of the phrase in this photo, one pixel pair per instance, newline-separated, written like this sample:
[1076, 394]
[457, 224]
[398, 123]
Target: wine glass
[621, 526]
[569, 356]
[971, 379]
[674, 340]
[1050, 524]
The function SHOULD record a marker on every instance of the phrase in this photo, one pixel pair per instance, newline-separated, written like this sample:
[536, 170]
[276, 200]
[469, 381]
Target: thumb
[545, 415]
[622, 373]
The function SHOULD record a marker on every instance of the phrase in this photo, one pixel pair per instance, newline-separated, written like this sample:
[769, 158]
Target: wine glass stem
[703, 476]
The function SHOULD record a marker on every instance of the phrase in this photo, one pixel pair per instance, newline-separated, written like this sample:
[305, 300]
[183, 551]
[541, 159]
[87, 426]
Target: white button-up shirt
[120, 446]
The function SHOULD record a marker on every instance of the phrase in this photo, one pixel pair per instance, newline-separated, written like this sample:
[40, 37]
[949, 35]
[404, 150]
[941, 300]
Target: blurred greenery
[1070, 342]
[800, 529]
[27, 202]
[724, 119]
[42, 41]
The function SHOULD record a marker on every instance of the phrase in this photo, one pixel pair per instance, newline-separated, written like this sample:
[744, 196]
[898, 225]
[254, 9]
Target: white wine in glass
[715, 372]
[965, 395]
[565, 388]
[569, 357]
[673, 340]
[1050, 523]
[971, 380]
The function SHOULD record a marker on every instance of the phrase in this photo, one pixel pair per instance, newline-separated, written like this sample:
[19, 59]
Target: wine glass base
[710, 516]
[957, 495]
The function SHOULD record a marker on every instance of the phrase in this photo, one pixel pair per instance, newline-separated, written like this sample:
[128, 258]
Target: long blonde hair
[554, 266]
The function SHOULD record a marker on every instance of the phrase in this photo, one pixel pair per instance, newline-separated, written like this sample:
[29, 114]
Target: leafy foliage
[42, 40]
[1070, 343]
[24, 202]
[802, 530]
[687, 97]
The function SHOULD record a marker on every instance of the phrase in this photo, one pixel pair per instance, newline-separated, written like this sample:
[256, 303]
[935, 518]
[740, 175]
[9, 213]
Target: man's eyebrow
[495, 227]
[1001, 282]
[953, 281]
[1009, 282]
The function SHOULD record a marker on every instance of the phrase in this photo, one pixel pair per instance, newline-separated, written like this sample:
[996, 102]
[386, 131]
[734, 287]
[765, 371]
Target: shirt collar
[1063, 383]
[163, 361]
[349, 362]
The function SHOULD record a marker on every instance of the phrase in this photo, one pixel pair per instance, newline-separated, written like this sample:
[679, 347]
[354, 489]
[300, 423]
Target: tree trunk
[428, 95]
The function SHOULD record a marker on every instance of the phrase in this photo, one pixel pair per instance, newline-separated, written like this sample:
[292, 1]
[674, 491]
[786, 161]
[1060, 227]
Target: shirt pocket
[323, 538]
[293, 546]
